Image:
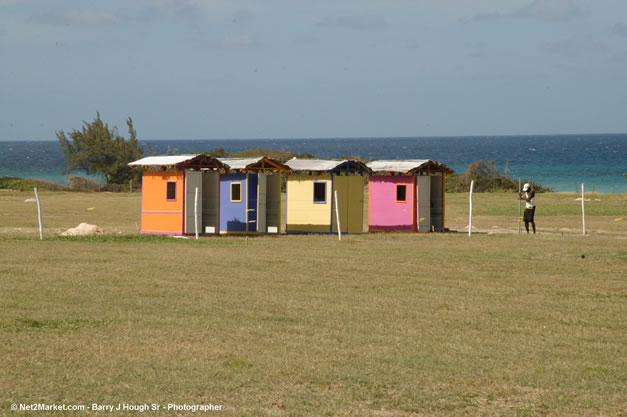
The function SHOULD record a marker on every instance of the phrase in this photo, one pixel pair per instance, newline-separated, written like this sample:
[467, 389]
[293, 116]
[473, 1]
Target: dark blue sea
[561, 162]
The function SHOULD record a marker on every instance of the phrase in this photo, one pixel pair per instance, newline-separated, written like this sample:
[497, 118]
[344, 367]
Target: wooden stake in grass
[472, 183]
[337, 215]
[583, 212]
[41, 226]
[196, 213]
[519, 204]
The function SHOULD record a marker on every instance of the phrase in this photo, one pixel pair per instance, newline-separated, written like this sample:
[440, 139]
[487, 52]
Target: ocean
[561, 162]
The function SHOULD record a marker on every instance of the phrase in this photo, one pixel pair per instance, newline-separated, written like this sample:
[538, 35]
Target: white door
[193, 180]
[437, 211]
[262, 185]
[423, 214]
[210, 200]
[273, 203]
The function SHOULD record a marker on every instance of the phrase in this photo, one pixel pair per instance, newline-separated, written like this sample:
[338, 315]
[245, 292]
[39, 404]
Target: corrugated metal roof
[314, 164]
[398, 165]
[164, 160]
[239, 163]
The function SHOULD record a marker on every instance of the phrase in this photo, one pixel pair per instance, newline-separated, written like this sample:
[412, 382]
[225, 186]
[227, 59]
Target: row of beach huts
[183, 194]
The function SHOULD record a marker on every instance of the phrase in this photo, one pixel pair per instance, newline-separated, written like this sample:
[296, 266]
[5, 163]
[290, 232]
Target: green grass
[29, 324]
[548, 204]
[374, 325]
[555, 212]
[142, 239]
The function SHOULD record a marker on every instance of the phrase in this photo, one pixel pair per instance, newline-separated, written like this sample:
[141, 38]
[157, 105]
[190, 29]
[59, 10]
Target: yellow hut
[311, 191]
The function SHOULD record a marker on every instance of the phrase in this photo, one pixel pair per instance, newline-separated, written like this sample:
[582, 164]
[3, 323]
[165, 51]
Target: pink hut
[406, 195]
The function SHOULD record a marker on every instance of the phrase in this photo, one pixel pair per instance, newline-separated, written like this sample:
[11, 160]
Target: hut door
[423, 214]
[273, 201]
[350, 193]
[355, 210]
[436, 203]
[210, 202]
[261, 203]
[193, 179]
[251, 203]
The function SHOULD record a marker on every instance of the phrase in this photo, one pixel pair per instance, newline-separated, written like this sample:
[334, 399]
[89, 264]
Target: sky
[244, 69]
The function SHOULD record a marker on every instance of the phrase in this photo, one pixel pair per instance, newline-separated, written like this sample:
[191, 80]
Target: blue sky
[214, 69]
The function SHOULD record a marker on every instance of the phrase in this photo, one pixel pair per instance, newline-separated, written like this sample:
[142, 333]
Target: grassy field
[556, 213]
[374, 325]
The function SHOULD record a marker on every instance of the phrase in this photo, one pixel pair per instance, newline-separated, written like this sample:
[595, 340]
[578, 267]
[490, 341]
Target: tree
[98, 149]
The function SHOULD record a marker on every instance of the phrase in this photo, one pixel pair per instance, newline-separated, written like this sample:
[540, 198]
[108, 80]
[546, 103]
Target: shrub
[20, 184]
[486, 178]
[281, 156]
[121, 188]
[83, 184]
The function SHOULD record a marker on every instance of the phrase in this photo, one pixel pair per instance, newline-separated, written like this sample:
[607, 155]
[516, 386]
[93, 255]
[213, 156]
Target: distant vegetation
[487, 179]
[98, 149]
[78, 184]
[281, 156]
[19, 184]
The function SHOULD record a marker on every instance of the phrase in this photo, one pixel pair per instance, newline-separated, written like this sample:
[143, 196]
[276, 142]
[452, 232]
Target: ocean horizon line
[489, 136]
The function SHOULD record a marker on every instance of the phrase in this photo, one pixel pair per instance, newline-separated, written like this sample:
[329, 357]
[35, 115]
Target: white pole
[519, 204]
[472, 183]
[337, 215]
[41, 226]
[583, 213]
[196, 213]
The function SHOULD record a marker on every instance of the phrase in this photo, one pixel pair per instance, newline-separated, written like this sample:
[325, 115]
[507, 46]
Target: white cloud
[620, 58]
[307, 40]
[489, 16]
[243, 17]
[233, 42]
[575, 46]
[365, 23]
[550, 10]
[538, 9]
[179, 9]
[82, 17]
[620, 29]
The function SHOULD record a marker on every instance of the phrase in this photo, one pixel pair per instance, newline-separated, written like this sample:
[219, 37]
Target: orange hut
[165, 194]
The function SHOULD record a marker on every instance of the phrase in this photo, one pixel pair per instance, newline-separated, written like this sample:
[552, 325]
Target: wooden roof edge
[276, 164]
[357, 166]
[431, 167]
[202, 161]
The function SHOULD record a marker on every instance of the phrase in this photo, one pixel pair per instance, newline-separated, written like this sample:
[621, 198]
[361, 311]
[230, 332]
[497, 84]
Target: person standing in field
[529, 195]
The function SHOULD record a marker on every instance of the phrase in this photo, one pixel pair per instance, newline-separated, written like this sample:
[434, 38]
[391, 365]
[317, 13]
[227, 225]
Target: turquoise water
[561, 162]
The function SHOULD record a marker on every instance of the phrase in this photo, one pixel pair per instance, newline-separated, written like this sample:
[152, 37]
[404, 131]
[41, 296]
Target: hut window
[171, 191]
[320, 192]
[236, 192]
[401, 193]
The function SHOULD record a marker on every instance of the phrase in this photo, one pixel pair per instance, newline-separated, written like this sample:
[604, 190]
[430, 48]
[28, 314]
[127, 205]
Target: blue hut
[250, 195]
